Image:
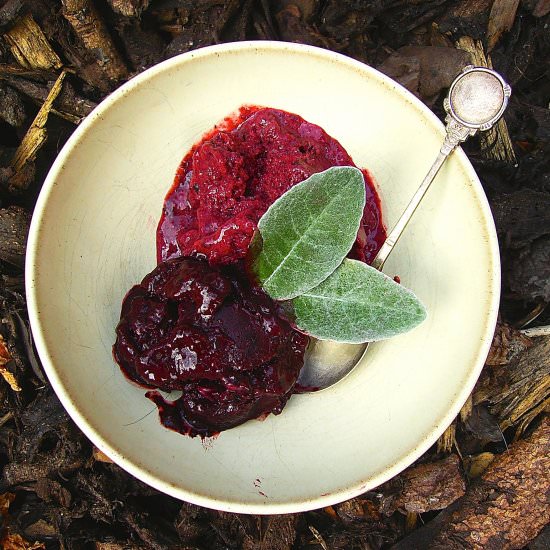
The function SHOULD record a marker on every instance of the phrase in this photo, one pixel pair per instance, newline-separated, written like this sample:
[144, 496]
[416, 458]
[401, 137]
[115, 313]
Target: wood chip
[30, 47]
[40, 529]
[21, 179]
[5, 500]
[90, 28]
[467, 408]
[529, 408]
[110, 546]
[518, 392]
[438, 67]
[12, 109]
[278, 532]
[483, 425]
[542, 407]
[501, 20]
[50, 490]
[10, 378]
[13, 541]
[293, 27]
[410, 522]
[495, 143]
[447, 439]
[5, 355]
[510, 505]
[100, 456]
[541, 8]
[307, 8]
[470, 9]
[69, 104]
[503, 509]
[535, 332]
[320, 541]
[6, 418]
[507, 344]
[13, 69]
[5, 371]
[522, 216]
[14, 228]
[10, 541]
[437, 38]
[351, 510]
[477, 464]
[530, 317]
[331, 512]
[423, 488]
[542, 542]
[36, 135]
[129, 8]
[10, 10]
[529, 270]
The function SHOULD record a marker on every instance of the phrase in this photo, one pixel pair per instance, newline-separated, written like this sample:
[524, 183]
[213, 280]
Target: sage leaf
[357, 303]
[308, 231]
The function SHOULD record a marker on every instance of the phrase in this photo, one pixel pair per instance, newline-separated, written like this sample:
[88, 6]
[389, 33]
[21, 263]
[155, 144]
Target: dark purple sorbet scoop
[210, 333]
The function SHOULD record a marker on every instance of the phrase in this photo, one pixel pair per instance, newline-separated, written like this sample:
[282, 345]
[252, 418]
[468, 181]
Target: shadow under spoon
[476, 100]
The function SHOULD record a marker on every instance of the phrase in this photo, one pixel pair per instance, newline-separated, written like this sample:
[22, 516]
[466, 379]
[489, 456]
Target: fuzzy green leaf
[308, 231]
[357, 303]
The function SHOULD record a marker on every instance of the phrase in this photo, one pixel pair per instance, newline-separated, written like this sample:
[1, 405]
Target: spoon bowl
[327, 362]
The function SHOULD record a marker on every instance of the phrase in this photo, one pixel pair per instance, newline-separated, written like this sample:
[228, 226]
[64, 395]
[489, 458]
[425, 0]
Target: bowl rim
[109, 448]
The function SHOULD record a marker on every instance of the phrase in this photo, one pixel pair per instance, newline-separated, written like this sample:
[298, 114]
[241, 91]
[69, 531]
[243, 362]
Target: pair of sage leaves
[305, 236]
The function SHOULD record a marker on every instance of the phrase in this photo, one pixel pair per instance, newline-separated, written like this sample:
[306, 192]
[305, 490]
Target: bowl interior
[93, 237]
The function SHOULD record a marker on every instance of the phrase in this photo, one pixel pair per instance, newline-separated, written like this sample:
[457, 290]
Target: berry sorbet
[211, 334]
[197, 324]
[231, 177]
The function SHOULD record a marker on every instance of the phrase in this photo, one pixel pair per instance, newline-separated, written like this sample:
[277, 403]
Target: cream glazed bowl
[93, 236]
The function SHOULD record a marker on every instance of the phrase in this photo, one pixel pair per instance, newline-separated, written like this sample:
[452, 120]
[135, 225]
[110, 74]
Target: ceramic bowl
[93, 237]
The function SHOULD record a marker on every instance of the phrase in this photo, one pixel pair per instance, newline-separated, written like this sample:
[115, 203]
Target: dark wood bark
[504, 510]
[425, 487]
[14, 227]
[90, 28]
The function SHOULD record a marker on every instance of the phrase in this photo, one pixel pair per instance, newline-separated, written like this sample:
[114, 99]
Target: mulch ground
[486, 484]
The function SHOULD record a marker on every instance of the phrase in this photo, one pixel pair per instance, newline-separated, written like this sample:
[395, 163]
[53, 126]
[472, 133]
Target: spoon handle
[455, 133]
[476, 101]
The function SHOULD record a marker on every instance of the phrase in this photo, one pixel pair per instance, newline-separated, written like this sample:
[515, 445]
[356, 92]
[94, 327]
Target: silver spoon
[476, 100]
